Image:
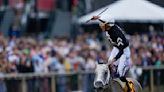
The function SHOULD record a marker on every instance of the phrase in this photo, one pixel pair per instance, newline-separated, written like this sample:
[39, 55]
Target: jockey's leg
[123, 79]
[123, 68]
[124, 62]
[123, 65]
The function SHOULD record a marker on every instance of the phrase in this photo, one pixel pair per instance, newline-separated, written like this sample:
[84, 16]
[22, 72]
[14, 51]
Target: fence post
[79, 81]
[151, 80]
[24, 85]
[53, 83]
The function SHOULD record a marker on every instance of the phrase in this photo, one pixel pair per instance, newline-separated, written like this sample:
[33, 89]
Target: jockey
[120, 54]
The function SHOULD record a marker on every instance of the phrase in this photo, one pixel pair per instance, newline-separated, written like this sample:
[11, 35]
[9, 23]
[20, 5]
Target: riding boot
[123, 79]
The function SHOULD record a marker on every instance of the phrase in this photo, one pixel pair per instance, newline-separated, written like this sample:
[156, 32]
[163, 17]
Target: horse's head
[102, 75]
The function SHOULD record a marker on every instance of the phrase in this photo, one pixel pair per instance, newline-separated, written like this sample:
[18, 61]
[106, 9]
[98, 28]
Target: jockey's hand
[95, 17]
[111, 62]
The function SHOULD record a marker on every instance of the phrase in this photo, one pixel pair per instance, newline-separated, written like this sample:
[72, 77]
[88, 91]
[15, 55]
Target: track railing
[23, 77]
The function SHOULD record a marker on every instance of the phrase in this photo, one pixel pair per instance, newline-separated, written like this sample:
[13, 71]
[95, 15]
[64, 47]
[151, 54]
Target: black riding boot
[123, 79]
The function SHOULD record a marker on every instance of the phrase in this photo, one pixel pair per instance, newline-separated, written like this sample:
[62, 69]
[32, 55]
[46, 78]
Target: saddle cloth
[123, 85]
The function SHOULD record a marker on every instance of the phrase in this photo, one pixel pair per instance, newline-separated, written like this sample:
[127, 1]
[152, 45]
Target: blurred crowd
[29, 54]
[147, 49]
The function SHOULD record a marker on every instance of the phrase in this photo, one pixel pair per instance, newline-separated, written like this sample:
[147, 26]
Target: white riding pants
[123, 62]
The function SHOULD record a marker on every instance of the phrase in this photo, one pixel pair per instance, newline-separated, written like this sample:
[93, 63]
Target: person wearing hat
[120, 54]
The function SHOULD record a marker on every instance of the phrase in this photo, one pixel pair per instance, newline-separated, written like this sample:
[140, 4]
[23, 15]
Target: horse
[104, 82]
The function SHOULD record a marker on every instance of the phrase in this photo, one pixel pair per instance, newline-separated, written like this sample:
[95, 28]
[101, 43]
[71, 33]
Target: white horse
[104, 83]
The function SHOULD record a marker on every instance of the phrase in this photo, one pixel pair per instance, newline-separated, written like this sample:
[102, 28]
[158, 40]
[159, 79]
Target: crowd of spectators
[27, 54]
[147, 49]
[62, 55]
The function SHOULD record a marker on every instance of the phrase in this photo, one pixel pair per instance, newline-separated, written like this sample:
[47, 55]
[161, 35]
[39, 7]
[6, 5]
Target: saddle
[123, 85]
